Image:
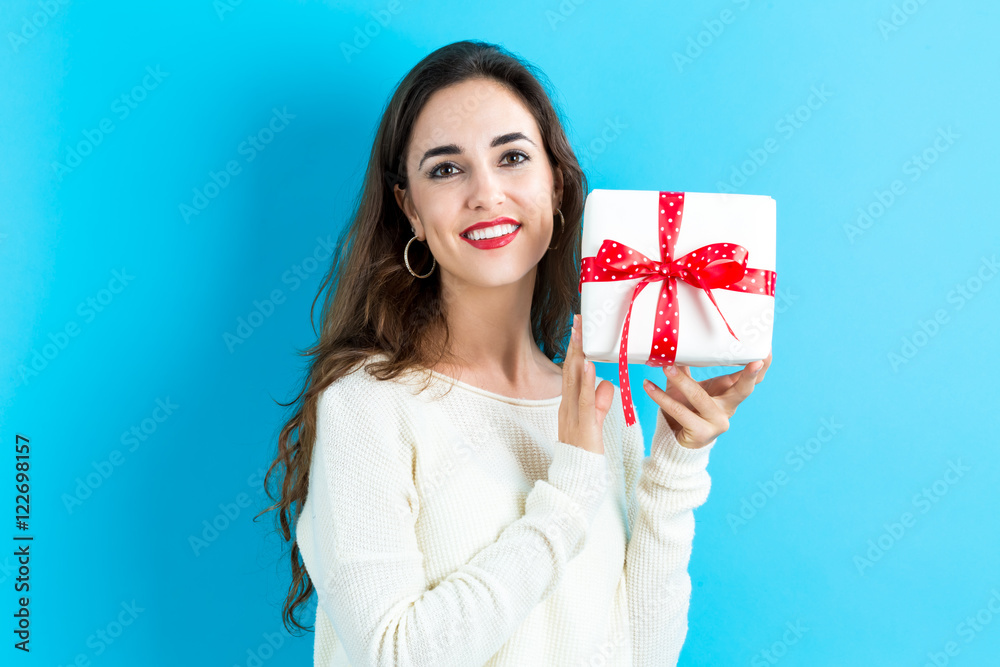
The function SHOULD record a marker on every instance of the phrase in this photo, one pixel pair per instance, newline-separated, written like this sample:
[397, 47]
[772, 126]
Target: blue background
[767, 556]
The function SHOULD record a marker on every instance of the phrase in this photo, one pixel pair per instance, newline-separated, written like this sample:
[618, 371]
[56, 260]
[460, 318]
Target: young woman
[458, 497]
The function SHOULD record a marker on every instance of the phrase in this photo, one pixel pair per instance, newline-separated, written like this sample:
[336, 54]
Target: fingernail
[671, 369]
[756, 370]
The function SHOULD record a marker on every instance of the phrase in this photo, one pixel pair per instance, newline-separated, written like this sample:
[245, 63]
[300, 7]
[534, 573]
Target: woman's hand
[698, 412]
[583, 407]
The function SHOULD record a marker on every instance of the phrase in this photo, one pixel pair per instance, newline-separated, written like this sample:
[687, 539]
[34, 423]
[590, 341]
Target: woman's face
[476, 155]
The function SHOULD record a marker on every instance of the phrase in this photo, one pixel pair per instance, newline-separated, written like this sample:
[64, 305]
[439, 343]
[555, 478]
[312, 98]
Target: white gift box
[633, 218]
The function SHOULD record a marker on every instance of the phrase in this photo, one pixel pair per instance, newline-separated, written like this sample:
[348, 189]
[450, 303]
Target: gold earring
[406, 259]
[562, 227]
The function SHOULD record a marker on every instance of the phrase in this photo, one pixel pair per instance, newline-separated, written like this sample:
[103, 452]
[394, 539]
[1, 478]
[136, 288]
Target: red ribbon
[712, 266]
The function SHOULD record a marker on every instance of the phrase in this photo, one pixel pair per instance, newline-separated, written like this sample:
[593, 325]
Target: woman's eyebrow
[455, 149]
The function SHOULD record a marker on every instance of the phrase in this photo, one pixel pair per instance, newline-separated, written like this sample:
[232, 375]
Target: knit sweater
[452, 528]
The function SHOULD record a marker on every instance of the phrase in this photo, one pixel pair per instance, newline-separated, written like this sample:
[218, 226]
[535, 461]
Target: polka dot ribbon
[712, 266]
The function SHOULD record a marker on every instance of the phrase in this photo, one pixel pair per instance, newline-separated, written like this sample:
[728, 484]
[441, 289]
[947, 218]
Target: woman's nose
[487, 192]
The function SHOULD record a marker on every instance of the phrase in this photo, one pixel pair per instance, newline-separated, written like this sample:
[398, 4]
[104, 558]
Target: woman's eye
[435, 172]
[517, 154]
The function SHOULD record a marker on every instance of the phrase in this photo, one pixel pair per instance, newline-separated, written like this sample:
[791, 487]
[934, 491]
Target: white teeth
[491, 232]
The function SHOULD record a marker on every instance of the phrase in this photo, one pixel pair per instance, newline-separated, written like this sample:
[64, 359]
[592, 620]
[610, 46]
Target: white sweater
[455, 530]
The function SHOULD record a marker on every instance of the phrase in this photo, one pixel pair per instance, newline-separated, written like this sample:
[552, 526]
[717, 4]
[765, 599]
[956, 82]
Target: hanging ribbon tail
[626, 390]
[710, 296]
[719, 273]
[623, 381]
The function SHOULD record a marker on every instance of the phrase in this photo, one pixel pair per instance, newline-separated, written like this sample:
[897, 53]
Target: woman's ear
[557, 183]
[400, 195]
[403, 200]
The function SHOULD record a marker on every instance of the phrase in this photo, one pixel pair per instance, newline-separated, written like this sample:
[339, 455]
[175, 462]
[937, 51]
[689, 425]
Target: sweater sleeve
[367, 566]
[663, 491]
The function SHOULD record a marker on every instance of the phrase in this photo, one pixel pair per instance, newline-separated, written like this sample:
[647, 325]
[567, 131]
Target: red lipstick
[497, 242]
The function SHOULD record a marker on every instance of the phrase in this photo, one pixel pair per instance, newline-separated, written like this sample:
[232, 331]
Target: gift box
[709, 262]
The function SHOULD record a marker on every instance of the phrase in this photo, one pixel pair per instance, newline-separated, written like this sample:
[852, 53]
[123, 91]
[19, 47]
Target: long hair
[374, 305]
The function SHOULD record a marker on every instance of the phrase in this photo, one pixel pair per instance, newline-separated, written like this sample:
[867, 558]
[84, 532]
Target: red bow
[713, 266]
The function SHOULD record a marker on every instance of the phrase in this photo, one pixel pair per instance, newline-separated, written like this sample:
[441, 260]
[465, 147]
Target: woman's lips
[487, 244]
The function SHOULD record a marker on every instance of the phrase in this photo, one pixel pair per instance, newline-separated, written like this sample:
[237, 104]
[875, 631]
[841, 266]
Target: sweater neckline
[530, 402]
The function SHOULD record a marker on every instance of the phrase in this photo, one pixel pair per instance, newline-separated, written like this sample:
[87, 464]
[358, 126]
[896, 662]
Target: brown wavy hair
[374, 305]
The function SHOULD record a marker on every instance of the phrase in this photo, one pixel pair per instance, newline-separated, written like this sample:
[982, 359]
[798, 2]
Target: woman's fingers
[697, 425]
[720, 384]
[572, 370]
[671, 406]
[700, 411]
[763, 369]
[586, 400]
[696, 395]
[691, 431]
[583, 407]
[604, 396]
[744, 385]
[587, 376]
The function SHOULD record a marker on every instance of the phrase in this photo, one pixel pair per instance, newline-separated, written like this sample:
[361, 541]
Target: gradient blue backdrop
[833, 109]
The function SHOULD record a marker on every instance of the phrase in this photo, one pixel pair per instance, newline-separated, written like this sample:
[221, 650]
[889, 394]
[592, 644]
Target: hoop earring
[406, 259]
[562, 228]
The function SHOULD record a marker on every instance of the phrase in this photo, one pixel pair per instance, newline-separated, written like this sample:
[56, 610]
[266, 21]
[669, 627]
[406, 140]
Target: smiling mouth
[494, 235]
